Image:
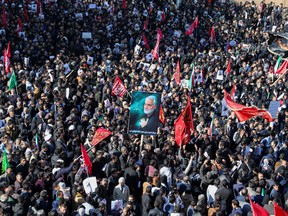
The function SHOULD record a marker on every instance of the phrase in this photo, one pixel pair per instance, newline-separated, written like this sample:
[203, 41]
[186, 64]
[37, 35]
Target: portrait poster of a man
[144, 113]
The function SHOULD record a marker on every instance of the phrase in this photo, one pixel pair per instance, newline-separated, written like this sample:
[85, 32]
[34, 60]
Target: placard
[144, 113]
[79, 16]
[220, 75]
[90, 185]
[273, 108]
[185, 83]
[116, 205]
[86, 35]
[92, 6]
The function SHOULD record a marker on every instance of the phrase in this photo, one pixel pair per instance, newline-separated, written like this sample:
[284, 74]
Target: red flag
[124, 4]
[150, 9]
[192, 27]
[146, 24]
[162, 17]
[100, 134]
[118, 88]
[159, 34]
[8, 50]
[20, 26]
[187, 115]
[177, 73]
[282, 68]
[228, 47]
[4, 18]
[278, 211]
[196, 22]
[244, 113]
[7, 55]
[6, 62]
[161, 115]
[146, 44]
[232, 93]
[184, 131]
[112, 9]
[180, 128]
[228, 70]
[203, 75]
[155, 51]
[26, 17]
[258, 210]
[212, 34]
[271, 69]
[39, 7]
[86, 159]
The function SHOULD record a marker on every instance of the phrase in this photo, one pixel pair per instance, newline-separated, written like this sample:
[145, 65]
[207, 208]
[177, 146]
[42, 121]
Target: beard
[148, 112]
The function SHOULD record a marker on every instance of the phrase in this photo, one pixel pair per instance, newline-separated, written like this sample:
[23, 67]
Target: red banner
[118, 87]
[100, 134]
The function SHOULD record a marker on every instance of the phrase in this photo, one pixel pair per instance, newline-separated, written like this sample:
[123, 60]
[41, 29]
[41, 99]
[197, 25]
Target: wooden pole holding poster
[141, 146]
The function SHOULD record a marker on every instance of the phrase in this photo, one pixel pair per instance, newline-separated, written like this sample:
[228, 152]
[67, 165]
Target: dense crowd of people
[65, 60]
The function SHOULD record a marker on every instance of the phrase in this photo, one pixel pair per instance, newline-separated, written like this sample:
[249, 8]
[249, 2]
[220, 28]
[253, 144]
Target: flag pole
[279, 78]
[16, 89]
[141, 146]
[129, 94]
[81, 154]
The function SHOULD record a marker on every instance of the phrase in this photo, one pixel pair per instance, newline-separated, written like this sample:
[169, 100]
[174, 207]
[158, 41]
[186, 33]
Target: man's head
[150, 105]
[121, 181]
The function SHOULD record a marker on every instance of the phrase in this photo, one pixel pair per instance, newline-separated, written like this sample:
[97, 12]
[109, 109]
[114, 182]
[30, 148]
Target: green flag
[37, 141]
[12, 81]
[277, 65]
[5, 163]
[191, 80]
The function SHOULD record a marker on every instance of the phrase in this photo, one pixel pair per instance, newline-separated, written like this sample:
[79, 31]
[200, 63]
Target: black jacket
[156, 212]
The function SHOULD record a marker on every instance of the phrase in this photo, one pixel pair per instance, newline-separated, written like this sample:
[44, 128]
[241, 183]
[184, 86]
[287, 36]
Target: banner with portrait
[144, 113]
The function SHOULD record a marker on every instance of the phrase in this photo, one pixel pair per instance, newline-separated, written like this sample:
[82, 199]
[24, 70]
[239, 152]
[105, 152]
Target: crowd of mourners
[63, 95]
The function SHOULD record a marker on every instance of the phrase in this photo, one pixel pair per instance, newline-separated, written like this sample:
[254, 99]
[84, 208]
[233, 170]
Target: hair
[235, 202]
[148, 189]
[152, 97]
